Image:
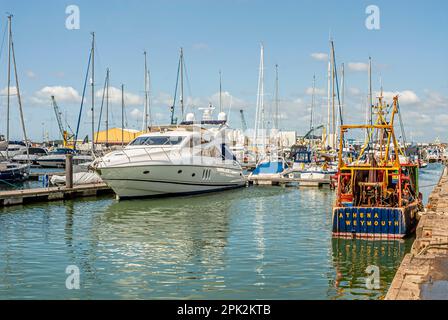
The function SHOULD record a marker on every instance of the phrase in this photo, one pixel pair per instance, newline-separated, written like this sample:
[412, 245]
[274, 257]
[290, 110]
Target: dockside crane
[243, 121]
[65, 135]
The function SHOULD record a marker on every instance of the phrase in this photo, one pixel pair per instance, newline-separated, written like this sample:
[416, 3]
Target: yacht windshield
[157, 141]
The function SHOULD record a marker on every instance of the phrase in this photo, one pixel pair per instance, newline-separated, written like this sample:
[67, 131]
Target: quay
[423, 273]
[26, 196]
[34, 176]
[286, 181]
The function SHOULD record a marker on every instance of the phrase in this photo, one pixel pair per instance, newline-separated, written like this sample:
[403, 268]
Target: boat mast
[312, 108]
[327, 138]
[92, 83]
[342, 89]
[220, 91]
[122, 115]
[107, 107]
[333, 78]
[263, 133]
[19, 99]
[182, 81]
[370, 92]
[9, 85]
[259, 103]
[276, 125]
[145, 113]
[313, 102]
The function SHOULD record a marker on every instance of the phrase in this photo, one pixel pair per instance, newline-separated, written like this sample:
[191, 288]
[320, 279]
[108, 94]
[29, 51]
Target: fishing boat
[378, 192]
[184, 159]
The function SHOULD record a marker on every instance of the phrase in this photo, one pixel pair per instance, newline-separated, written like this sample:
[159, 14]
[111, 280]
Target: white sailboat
[269, 162]
[10, 171]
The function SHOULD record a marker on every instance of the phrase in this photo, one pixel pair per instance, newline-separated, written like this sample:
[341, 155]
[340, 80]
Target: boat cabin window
[226, 153]
[157, 141]
[37, 151]
[62, 151]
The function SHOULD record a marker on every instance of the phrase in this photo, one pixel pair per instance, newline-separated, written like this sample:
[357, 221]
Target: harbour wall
[423, 273]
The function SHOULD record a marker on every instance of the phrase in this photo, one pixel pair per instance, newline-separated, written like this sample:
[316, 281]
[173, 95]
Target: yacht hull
[169, 180]
[14, 173]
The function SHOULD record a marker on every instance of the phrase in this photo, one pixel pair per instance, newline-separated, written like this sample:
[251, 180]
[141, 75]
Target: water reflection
[351, 259]
[251, 243]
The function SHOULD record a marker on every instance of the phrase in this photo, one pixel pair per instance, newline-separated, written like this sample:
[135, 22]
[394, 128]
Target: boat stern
[374, 222]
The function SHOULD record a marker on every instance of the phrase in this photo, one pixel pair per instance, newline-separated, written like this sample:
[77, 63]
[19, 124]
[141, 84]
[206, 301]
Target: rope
[3, 42]
[82, 101]
[433, 245]
[9, 184]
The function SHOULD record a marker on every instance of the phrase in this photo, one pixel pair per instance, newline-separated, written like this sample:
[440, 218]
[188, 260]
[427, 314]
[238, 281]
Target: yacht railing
[160, 154]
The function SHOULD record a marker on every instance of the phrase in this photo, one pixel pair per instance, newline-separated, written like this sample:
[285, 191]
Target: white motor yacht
[31, 156]
[56, 158]
[176, 160]
[13, 148]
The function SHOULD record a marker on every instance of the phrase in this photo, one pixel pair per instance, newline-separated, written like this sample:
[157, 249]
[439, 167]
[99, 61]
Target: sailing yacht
[184, 159]
[9, 171]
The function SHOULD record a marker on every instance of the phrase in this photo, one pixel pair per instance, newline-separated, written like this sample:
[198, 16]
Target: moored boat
[378, 193]
[179, 160]
[13, 172]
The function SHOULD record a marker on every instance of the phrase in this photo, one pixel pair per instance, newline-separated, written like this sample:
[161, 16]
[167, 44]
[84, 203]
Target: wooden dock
[423, 273]
[286, 181]
[36, 175]
[18, 197]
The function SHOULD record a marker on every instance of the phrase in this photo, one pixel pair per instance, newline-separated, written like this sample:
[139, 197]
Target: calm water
[251, 243]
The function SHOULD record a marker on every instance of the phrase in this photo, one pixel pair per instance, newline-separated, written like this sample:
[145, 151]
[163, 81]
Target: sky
[408, 53]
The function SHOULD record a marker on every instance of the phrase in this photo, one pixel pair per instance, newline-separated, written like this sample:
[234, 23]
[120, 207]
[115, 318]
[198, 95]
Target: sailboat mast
[263, 133]
[370, 101]
[9, 85]
[327, 138]
[145, 113]
[276, 98]
[19, 100]
[259, 108]
[93, 92]
[342, 90]
[122, 115]
[312, 103]
[182, 81]
[220, 91]
[107, 107]
[333, 94]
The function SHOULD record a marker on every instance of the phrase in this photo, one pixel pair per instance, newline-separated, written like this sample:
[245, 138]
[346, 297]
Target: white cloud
[318, 91]
[404, 97]
[227, 99]
[12, 91]
[163, 98]
[319, 56]
[130, 99]
[358, 66]
[136, 114]
[62, 94]
[354, 91]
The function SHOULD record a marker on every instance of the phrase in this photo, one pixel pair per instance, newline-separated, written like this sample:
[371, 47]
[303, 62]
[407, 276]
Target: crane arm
[243, 121]
[58, 117]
